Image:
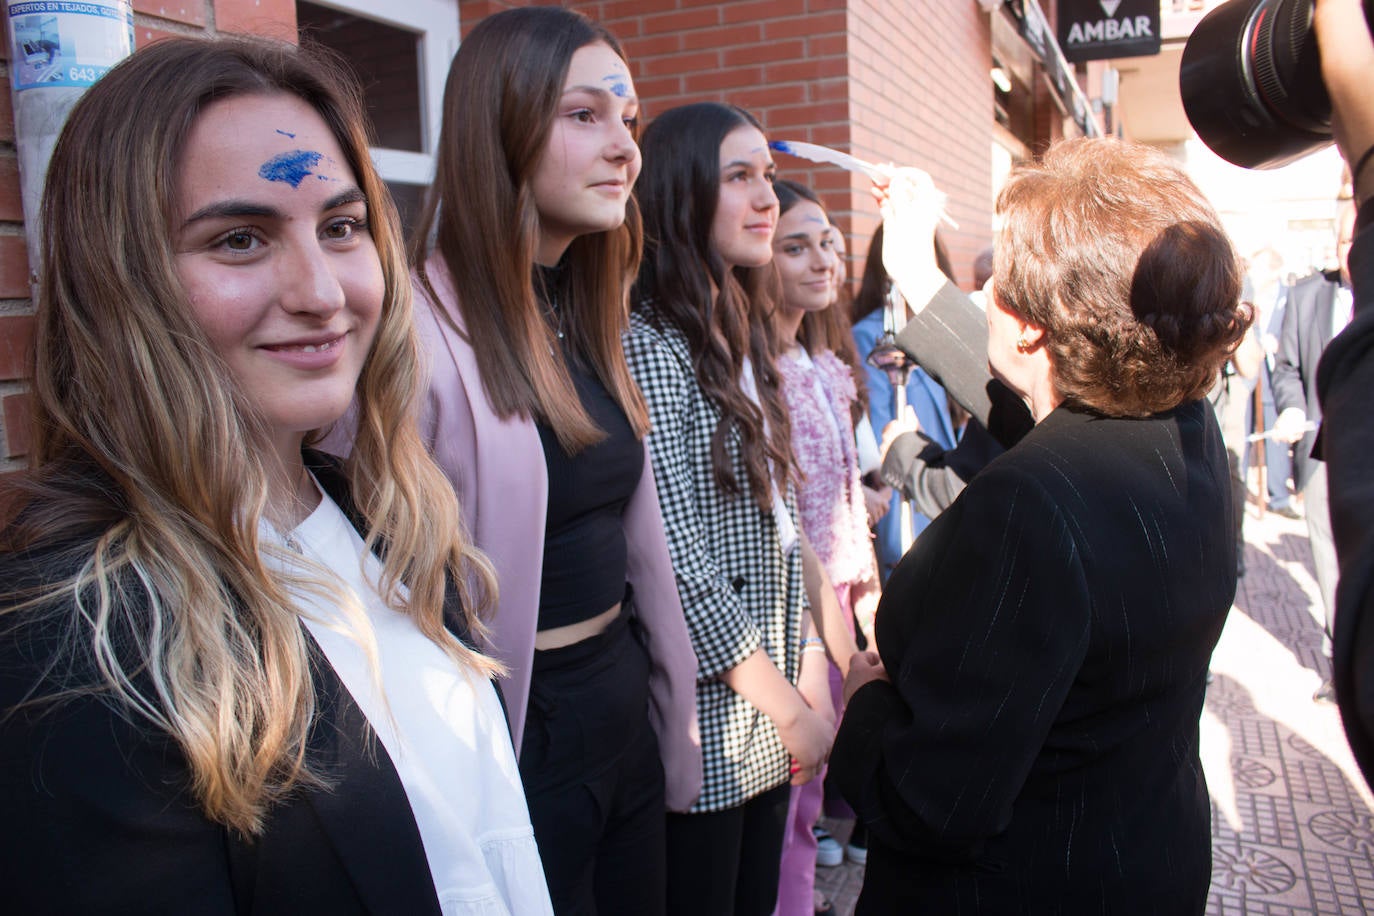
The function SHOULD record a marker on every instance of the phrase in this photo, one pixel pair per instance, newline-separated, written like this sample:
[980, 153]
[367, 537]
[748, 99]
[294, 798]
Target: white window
[401, 57]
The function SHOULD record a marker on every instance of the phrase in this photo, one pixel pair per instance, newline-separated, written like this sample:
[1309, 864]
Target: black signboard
[1100, 29]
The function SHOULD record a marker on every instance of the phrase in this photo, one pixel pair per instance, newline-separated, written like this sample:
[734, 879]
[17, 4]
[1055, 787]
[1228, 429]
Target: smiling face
[747, 208]
[272, 247]
[804, 253]
[590, 162]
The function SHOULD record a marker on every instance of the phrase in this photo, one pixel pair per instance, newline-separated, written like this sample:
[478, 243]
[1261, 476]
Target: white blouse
[441, 725]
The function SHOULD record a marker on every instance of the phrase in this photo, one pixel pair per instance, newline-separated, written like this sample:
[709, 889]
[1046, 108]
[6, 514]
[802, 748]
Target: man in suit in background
[1319, 307]
[1266, 289]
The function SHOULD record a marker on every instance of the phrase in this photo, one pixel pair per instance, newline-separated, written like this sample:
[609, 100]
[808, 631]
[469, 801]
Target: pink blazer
[497, 467]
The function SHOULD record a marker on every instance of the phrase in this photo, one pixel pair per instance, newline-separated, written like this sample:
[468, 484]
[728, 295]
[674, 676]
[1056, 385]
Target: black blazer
[1345, 379]
[1048, 638]
[1305, 334]
[99, 817]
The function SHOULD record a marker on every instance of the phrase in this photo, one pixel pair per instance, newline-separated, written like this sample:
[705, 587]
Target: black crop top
[584, 532]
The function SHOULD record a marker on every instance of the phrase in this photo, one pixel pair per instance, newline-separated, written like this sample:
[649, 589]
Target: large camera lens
[1251, 82]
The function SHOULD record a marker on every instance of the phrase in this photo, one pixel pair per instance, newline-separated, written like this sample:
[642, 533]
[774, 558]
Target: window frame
[435, 23]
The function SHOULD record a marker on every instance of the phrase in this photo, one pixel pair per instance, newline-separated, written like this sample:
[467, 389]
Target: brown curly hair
[1112, 250]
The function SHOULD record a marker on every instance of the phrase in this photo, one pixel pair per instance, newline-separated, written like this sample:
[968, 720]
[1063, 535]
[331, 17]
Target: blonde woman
[234, 674]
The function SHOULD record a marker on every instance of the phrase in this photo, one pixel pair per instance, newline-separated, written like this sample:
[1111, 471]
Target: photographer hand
[1347, 52]
[911, 208]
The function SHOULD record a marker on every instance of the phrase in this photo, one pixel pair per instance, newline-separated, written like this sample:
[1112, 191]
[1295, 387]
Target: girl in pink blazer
[524, 256]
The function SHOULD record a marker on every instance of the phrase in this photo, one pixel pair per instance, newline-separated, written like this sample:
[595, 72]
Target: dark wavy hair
[723, 311]
[1112, 250]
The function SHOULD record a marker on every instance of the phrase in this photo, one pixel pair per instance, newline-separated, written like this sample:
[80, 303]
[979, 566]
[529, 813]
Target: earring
[1023, 345]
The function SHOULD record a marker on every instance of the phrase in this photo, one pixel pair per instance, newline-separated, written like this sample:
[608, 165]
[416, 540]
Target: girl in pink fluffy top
[821, 398]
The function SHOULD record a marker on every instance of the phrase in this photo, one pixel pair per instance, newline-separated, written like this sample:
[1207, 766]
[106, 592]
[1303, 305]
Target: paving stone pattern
[1292, 821]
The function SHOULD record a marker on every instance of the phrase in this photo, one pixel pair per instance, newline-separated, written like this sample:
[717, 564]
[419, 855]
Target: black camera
[1252, 84]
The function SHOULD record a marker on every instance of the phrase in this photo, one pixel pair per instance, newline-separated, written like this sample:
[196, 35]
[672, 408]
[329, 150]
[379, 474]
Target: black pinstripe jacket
[1048, 638]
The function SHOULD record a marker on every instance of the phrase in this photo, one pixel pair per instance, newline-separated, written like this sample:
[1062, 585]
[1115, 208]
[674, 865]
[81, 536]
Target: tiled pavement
[1292, 821]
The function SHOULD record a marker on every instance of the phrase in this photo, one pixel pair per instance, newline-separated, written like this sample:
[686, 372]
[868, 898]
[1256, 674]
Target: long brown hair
[147, 459]
[503, 90]
[725, 312]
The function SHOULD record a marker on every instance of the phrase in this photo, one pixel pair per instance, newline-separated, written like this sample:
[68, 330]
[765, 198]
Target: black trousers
[726, 862]
[593, 778]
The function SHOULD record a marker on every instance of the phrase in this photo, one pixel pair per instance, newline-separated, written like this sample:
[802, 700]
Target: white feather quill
[814, 152]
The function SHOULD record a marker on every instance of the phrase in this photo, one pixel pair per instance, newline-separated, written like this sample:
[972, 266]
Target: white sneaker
[829, 852]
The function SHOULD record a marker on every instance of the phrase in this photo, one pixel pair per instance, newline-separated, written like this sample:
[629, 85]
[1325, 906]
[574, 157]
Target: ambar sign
[1098, 29]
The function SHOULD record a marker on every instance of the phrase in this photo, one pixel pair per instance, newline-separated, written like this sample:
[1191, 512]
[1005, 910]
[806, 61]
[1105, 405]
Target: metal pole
[906, 524]
[58, 49]
[887, 356]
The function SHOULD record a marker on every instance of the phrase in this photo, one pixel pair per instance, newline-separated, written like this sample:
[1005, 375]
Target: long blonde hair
[147, 464]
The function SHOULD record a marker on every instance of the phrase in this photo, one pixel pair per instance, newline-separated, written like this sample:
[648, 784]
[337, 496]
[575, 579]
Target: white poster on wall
[67, 42]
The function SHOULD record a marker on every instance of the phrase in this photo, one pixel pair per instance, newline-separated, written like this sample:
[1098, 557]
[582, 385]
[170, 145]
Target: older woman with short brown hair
[1028, 737]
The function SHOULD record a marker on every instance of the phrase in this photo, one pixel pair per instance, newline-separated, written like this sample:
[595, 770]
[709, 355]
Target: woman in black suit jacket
[1026, 738]
[217, 693]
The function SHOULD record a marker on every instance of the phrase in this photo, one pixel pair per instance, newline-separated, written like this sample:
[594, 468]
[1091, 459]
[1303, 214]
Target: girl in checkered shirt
[701, 350]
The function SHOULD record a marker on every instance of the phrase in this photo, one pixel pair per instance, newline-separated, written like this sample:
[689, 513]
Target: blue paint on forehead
[781, 146]
[291, 167]
[286, 133]
[619, 88]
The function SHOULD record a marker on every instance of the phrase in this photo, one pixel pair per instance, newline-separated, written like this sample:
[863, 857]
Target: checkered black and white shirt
[739, 590]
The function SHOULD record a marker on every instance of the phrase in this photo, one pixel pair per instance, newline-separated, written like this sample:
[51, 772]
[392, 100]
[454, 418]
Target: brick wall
[153, 19]
[920, 95]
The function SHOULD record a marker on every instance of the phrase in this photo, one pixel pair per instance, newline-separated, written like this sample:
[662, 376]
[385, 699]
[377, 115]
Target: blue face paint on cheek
[291, 167]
